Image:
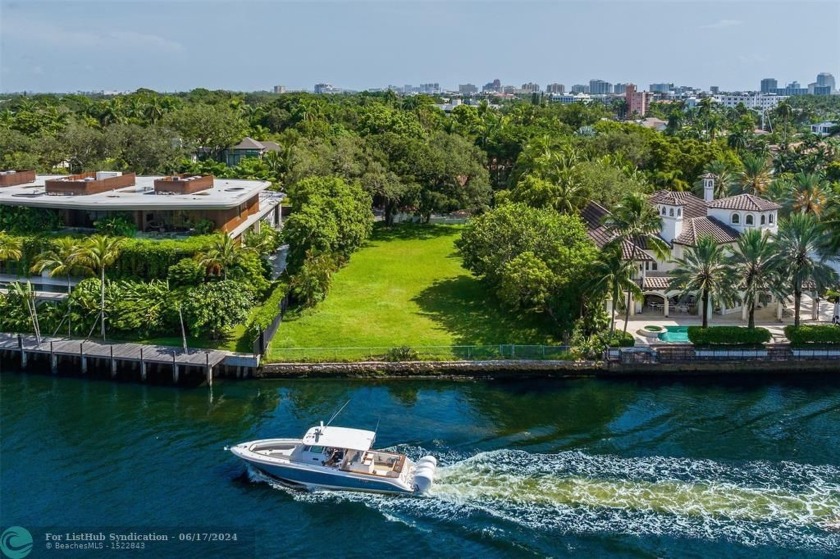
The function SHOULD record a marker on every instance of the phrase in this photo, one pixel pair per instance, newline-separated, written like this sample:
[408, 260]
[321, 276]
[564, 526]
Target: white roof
[339, 437]
[225, 194]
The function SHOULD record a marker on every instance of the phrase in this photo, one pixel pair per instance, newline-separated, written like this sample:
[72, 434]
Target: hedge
[728, 336]
[139, 259]
[621, 339]
[822, 335]
[262, 316]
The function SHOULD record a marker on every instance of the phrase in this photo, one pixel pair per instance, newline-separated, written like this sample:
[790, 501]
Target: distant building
[823, 128]
[661, 87]
[791, 89]
[769, 85]
[580, 88]
[637, 101]
[619, 88]
[755, 101]
[509, 90]
[430, 88]
[248, 147]
[599, 87]
[555, 88]
[825, 79]
[467, 89]
[279, 89]
[326, 88]
[493, 87]
[530, 87]
[714, 89]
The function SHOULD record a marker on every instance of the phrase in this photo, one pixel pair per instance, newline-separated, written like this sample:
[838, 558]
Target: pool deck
[765, 318]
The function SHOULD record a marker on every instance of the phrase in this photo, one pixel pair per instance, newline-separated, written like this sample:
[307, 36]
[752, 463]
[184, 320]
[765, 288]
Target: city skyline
[68, 45]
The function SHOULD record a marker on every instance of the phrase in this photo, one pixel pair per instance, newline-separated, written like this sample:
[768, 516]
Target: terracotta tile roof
[657, 283]
[692, 205]
[593, 215]
[744, 202]
[695, 228]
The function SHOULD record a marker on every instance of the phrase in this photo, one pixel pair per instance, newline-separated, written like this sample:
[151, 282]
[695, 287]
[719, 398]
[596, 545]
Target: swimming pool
[675, 335]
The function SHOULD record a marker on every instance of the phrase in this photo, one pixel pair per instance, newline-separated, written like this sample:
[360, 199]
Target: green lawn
[406, 287]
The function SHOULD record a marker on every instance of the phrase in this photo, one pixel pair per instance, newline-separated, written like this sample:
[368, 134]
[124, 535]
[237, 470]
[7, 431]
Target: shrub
[813, 335]
[204, 227]
[728, 336]
[621, 339]
[115, 226]
[653, 328]
[402, 353]
[263, 315]
[187, 272]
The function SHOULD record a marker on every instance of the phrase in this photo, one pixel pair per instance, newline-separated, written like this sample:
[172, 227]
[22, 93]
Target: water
[675, 334]
[531, 469]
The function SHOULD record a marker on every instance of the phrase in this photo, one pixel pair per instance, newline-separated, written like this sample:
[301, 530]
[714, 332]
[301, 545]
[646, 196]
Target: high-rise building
[555, 88]
[325, 88]
[714, 89]
[531, 87]
[769, 85]
[619, 88]
[661, 87]
[279, 89]
[637, 101]
[599, 87]
[467, 89]
[826, 79]
[493, 87]
[430, 88]
[580, 88]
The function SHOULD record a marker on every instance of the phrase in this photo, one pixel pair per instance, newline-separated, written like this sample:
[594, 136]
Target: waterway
[652, 468]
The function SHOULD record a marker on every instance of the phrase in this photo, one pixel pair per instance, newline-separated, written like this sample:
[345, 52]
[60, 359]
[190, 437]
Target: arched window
[671, 212]
[736, 219]
[772, 219]
[750, 219]
[663, 210]
[679, 212]
[762, 219]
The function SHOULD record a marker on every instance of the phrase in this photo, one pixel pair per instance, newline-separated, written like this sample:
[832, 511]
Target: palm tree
[723, 179]
[224, 254]
[756, 265]
[60, 260]
[755, 177]
[801, 243]
[26, 294]
[809, 193]
[635, 221]
[11, 248]
[615, 275]
[704, 271]
[96, 255]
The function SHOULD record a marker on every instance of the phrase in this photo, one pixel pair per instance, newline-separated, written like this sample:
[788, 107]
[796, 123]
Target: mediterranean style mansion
[686, 218]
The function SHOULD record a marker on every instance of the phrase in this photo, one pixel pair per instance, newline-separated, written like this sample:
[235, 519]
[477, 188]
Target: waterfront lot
[405, 288]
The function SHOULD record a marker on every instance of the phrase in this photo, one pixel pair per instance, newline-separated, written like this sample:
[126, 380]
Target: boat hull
[315, 477]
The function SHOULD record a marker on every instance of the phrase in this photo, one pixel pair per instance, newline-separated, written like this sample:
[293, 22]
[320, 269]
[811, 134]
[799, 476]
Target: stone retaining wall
[436, 369]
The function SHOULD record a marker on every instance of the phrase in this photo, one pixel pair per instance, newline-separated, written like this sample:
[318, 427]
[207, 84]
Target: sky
[247, 45]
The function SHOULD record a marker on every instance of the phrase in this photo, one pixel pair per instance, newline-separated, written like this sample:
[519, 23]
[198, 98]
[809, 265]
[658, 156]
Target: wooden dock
[119, 355]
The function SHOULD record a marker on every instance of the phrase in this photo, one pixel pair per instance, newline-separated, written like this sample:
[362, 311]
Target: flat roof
[339, 437]
[225, 194]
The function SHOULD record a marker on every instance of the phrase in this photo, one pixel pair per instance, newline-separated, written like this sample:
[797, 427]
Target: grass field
[406, 287]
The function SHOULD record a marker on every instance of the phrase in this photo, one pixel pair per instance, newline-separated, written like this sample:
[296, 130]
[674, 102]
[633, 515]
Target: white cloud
[28, 32]
[722, 24]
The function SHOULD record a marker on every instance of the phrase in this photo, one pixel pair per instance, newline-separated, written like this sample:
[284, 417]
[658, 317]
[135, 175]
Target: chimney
[708, 187]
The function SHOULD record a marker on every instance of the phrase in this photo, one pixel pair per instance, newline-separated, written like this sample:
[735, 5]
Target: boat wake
[782, 504]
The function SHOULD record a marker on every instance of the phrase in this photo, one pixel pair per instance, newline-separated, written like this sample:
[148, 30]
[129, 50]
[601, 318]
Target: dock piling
[53, 360]
[83, 357]
[113, 364]
[142, 366]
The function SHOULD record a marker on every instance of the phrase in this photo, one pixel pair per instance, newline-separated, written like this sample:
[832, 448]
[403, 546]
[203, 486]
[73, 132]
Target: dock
[118, 357]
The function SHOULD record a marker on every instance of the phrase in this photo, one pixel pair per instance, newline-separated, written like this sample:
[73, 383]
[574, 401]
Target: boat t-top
[338, 458]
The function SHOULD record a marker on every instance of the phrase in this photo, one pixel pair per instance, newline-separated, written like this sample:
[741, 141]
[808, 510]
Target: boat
[338, 458]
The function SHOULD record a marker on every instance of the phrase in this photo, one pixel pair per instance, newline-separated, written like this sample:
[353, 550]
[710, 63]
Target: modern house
[685, 218]
[170, 204]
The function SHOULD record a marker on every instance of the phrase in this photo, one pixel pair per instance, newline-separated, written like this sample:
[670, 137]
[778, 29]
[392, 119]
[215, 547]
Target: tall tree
[224, 254]
[756, 265]
[706, 273]
[755, 176]
[802, 249]
[95, 255]
[809, 193]
[614, 276]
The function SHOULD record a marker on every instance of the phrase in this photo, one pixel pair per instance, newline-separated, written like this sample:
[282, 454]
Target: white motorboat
[338, 458]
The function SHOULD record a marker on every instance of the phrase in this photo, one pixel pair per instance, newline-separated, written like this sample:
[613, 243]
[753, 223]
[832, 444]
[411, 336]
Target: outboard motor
[424, 474]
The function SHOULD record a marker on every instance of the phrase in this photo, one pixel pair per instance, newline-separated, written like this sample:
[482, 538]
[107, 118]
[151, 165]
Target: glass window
[762, 219]
[736, 218]
[671, 212]
[771, 219]
[750, 219]
[679, 212]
